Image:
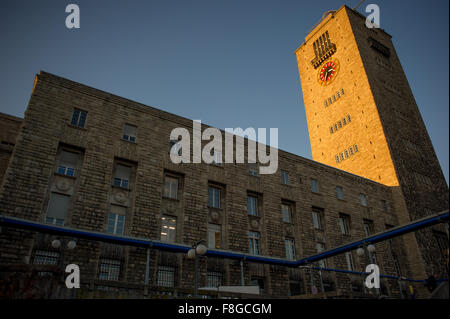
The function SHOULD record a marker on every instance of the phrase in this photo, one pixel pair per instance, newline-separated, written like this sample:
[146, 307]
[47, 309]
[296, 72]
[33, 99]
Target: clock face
[328, 72]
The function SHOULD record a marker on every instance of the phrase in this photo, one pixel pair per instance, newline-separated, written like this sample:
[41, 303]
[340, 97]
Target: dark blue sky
[228, 63]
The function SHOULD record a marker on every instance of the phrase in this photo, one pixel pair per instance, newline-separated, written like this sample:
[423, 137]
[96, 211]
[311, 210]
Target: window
[344, 223]
[342, 156]
[214, 197]
[286, 212]
[214, 239]
[335, 127]
[340, 193]
[344, 121]
[326, 103]
[356, 148]
[129, 133]
[340, 124]
[168, 229]
[384, 205]
[320, 247]
[331, 130]
[346, 153]
[253, 169]
[349, 259]
[351, 150]
[116, 220]
[109, 269]
[166, 276]
[215, 279]
[363, 199]
[338, 94]
[290, 249]
[253, 243]
[368, 227]
[337, 159]
[252, 204]
[58, 206]
[314, 185]
[122, 176]
[334, 98]
[45, 257]
[78, 118]
[171, 187]
[329, 101]
[317, 218]
[342, 91]
[67, 163]
[284, 177]
[349, 119]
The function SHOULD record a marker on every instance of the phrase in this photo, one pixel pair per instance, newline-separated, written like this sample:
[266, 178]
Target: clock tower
[362, 118]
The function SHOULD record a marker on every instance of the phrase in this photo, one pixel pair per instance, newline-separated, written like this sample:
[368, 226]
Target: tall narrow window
[58, 206]
[342, 156]
[214, 240]
[214, 197]
[349, 259]
[346, 153]
[168, 229]
[363, 199]
[254, 248]
[290, 248]
[122, 176]
[252, 204]
[337, 159]
[78, 118]
[368, 227]
[129, 133]
[340, 193]
[351, 150]
[67, 163]
[320, 248]
[314, 185]
[116, 220]
[171, 187]
[284, 177]
[356, 148]
[286, 212]
[331, 130]
[344, 223]
[317, 216]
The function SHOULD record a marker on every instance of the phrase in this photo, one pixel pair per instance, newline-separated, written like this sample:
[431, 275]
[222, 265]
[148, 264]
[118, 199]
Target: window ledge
[77, 127]
[64, 175]
[122, 188]
[171, 198]
[124, 140]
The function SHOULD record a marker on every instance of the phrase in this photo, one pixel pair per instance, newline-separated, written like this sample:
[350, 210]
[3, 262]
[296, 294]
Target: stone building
[90, 160]
[363, 118]
[9, 129]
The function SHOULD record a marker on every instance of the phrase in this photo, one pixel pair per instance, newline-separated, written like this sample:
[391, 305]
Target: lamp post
[197, 250]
